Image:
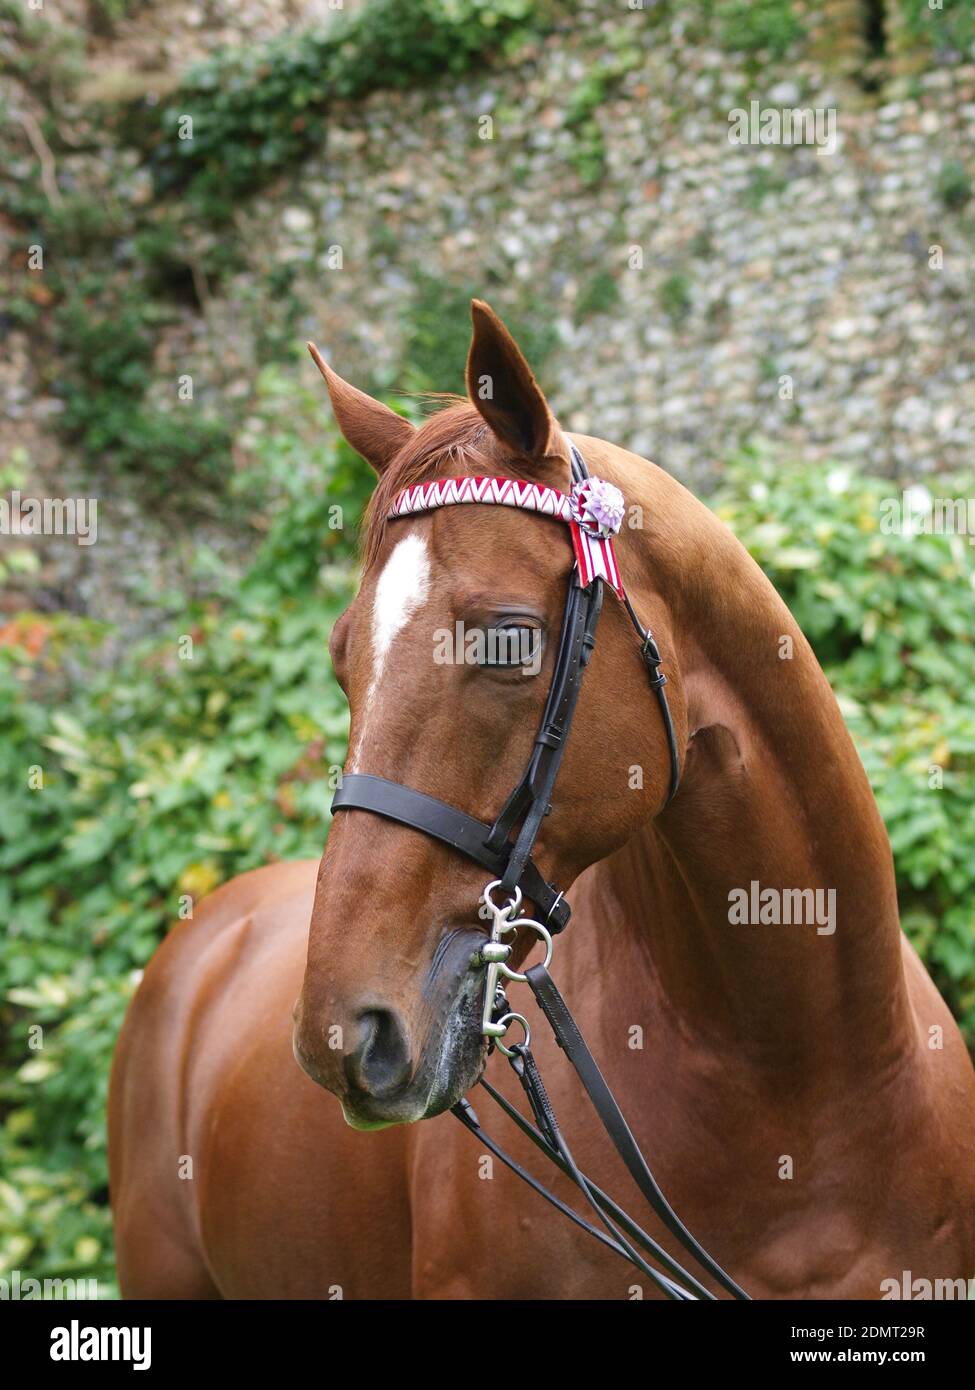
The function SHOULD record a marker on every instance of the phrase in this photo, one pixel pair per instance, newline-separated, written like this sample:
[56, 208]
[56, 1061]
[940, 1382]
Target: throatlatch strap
[361, 791]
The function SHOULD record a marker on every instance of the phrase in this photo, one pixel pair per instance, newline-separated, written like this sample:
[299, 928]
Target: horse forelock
[455, 440]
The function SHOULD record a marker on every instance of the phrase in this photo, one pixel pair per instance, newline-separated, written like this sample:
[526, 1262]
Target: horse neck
[773, 794]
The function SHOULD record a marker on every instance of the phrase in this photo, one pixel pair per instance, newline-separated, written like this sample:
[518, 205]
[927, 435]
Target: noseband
[594, 513]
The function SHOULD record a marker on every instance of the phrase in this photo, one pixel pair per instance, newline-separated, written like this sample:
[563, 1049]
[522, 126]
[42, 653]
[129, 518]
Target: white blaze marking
[401, 589]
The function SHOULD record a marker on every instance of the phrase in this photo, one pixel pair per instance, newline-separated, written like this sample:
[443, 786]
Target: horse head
[447, 655]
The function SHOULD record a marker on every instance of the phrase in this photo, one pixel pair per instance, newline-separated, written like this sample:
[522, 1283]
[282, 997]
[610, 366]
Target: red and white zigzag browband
[593, 513]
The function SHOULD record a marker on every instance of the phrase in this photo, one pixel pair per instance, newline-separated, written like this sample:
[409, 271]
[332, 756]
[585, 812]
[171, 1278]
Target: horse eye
[511, 646]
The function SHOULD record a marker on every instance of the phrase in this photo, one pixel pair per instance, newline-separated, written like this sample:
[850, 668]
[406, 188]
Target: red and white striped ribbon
[595, 557]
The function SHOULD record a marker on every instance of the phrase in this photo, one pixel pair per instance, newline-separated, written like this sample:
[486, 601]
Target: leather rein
[594, 512]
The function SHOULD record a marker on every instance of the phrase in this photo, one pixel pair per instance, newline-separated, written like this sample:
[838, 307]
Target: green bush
[161, 777]
[46, 56]
[599, 295]
[164, 776]
[890, 618]
[103, 382]
[756, 26]
[950, 26]
[675, 297]
[953, 184]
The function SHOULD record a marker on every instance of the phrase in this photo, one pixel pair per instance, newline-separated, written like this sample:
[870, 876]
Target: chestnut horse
[801, 1090]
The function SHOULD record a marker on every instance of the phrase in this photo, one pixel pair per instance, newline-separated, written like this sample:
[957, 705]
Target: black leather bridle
[491, 846]
[517, 877]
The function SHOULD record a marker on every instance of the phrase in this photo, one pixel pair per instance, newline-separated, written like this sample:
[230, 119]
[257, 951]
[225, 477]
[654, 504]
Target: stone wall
[691, 294]
[784, 293]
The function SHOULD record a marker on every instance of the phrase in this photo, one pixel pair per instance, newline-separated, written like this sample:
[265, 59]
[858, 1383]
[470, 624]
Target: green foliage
[114, 275]
[763, 183]
[890, 617]
[594, 91]
[599, 295]
[106, 14]
[45, 55]
[16, 561]
[103, 383]
[588, 155]
[437, 334]
[756, 26]
[257, 110]
[950, 27]
[675, 297]
[953, 184]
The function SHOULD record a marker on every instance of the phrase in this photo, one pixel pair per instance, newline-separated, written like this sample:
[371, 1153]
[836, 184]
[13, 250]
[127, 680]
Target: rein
[594, 513]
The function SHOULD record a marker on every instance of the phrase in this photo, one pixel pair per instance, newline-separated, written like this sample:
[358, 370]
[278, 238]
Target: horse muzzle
[393, 1064]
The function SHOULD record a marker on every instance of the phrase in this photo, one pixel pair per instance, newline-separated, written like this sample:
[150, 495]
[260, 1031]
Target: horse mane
[455, 438]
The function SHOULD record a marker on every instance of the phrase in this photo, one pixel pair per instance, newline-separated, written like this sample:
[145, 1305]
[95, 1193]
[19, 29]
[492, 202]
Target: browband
[593, 512]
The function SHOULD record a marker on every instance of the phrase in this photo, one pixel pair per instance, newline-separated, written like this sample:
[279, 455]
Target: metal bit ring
[545, 936]
[505, 1023]
[512, 905]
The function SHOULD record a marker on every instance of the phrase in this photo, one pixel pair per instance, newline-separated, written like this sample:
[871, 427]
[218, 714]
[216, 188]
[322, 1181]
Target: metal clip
[494, 954]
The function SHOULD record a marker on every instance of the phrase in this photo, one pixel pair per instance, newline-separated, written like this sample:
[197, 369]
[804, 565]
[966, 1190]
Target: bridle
[594, 513]
[529, 802]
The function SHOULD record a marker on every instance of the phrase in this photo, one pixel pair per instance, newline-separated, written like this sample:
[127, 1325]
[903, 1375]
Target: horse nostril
[380, 1064]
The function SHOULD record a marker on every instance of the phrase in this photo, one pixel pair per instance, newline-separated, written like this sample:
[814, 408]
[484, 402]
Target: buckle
[652, 660]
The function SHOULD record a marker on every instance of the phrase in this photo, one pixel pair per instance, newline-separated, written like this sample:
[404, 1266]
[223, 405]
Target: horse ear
[501, 386]
[373, 430]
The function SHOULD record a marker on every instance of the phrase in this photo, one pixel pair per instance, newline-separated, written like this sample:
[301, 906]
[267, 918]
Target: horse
[800, 1087]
